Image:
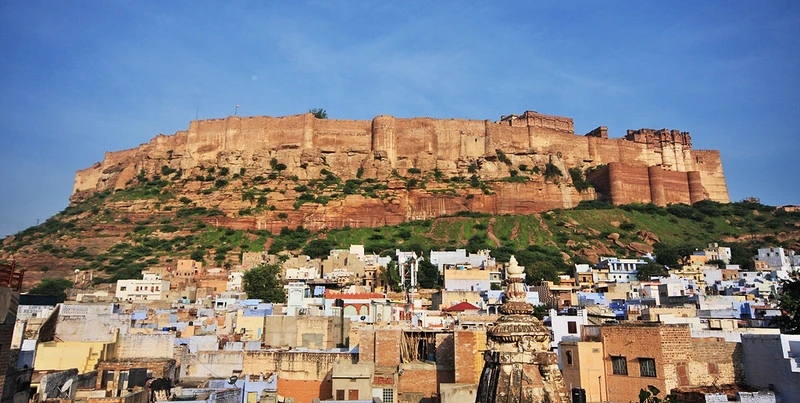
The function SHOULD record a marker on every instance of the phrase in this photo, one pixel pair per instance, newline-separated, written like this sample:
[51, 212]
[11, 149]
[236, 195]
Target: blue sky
[79, 78]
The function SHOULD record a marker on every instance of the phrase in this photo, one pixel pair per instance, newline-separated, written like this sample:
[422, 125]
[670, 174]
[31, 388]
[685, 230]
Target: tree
[789, 302]
[390, 277]
[673, 255]
[428, 275]
[541, 271]
[262, 282]
[52, 286]
[651, 269]
[318, 248]
[318, 113]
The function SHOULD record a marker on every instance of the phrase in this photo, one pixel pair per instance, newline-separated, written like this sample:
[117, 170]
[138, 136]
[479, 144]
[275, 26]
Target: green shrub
[551, 171]
[502, 157]
[578, 180]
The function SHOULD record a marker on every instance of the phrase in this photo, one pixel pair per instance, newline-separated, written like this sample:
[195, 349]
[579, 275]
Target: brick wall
[420, 382]
[305, 391]
[716, 362]
[465, 357]
[387, 347]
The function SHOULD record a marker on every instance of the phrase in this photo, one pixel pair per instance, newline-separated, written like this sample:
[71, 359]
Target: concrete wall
[317, 332]
[457, 392]
[145, 346]
[71, 354]
[90, 323]
[767, 363]
[213, 364]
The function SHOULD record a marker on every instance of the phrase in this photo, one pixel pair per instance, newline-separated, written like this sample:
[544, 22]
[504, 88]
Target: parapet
[539, 120]
[601, 132]
[653, 136]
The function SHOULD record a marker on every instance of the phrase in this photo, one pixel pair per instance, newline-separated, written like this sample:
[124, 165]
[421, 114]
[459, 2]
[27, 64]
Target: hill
[109, 235]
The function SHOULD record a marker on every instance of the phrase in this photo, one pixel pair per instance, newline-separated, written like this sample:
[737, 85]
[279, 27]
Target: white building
[235, 281]
[460, 257]
[150, 288]
[620, 270]
[777, 258]
[566, 326]
[302, 273]
[716, 252]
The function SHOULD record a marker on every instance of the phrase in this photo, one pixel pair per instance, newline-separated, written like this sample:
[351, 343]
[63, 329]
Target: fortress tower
[519, 366]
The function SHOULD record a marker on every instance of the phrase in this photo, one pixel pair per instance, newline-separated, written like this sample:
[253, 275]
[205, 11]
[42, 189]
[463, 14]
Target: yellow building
[62, 355]
[582, 366]
[251, 324]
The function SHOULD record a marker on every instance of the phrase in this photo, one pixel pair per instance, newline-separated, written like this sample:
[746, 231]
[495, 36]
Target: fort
[644, 166]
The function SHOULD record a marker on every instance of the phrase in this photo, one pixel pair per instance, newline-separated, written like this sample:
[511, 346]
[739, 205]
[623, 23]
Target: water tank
[578, 395]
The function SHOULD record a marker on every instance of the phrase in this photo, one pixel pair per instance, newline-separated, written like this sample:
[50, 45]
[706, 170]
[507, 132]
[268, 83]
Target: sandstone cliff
[266, 173]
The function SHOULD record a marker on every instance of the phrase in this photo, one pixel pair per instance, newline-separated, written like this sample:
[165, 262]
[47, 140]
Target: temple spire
[519, 366]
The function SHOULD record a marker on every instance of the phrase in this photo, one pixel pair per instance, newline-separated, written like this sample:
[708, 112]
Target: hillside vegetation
[107, 234]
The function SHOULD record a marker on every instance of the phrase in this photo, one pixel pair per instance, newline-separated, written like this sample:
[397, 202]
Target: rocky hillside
[118, 234]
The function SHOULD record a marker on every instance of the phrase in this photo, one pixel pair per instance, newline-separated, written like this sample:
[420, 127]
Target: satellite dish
[67, 385]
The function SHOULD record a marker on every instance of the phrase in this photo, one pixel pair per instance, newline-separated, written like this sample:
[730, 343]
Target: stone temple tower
[519, 364]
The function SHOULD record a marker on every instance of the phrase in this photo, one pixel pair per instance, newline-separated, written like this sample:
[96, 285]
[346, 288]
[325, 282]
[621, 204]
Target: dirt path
[490, 232]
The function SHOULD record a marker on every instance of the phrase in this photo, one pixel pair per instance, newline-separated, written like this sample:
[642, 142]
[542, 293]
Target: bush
[52, 286]
[165, 170]
[502, 157]
[414, 171]
[578, 180]
[551, 171]
[594, 205]
[318, 248]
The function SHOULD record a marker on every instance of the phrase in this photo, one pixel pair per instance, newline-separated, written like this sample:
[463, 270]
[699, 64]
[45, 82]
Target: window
[647, 367]
[572, 327]
[619, 365]
[569, 357]
[388, 396]
[123, 288]
[340, 394]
